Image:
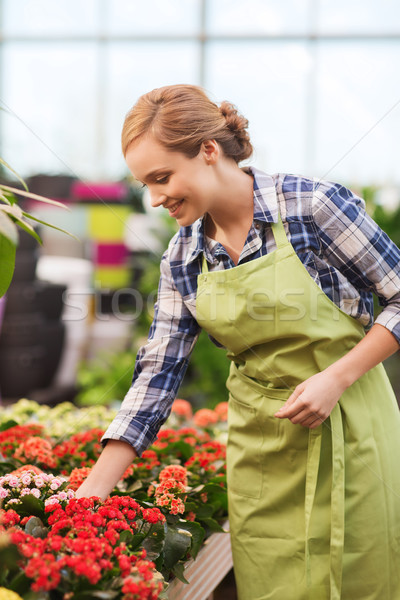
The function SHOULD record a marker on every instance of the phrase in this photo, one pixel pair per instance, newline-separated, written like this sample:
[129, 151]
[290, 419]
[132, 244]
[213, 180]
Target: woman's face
[184, 186]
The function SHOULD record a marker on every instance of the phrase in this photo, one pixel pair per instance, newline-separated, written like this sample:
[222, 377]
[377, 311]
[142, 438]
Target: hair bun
[238, 125]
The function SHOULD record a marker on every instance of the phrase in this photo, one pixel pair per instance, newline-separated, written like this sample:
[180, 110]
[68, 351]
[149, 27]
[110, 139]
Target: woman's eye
[162, 180]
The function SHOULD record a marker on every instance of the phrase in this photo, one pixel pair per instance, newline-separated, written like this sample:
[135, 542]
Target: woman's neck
[234, 210]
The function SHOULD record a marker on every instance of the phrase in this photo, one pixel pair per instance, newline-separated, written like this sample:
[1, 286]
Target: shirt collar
[265, 211]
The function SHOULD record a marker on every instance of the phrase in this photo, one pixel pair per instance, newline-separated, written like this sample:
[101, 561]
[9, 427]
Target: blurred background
[316, 79]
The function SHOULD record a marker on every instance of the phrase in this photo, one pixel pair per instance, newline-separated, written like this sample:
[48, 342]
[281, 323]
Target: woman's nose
[157, 199]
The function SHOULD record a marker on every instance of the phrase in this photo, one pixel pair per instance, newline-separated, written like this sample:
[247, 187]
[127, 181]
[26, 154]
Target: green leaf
[136, 540]
[126, 536]
[7, 425]
[136, 485]
[6, 467]
[31, 506]
[6, 200]
[154, 542]
[8, 228]
[12, 210]
[28, 228]
[197, 532]
[20, 584]
[178, 571]
[3, 162]
[213, 525]
[29, 216]
[93, 593]
[203, 510]
[7, 263]
[32, 196]
[177, 543]
[9, 557]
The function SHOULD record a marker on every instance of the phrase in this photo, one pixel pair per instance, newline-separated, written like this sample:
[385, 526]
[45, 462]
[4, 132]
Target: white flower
[4, 493]
[39, 482]
[26, 479]
[51, 500]
[13, 481]
[35, 492]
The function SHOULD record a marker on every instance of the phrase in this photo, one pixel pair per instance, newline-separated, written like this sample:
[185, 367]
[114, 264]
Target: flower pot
[25, 265]
[51, 299]
[20, 330]
[21, 370]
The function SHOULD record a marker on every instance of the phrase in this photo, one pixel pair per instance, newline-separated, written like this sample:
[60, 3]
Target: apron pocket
[244, 464]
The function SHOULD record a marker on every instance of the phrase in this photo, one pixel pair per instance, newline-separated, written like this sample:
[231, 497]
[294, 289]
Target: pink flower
[26, 479]
[3, 492]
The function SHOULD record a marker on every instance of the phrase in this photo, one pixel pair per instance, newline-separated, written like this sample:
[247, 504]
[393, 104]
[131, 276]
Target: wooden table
[213, 562]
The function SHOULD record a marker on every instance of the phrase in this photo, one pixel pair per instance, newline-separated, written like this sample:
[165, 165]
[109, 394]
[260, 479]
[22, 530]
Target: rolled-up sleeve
[159, 369]
[359, 249]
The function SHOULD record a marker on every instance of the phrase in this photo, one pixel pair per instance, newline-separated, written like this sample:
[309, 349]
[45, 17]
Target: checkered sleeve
[159, 369]
[354, 244]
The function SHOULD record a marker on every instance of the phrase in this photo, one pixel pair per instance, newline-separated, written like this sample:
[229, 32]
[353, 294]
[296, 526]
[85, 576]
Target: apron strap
[313, 460]
[204, 264]
[337, 500]
[279, 233]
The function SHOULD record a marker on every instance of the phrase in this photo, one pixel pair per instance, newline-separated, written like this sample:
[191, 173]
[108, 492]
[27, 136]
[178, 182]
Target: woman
[279, 270]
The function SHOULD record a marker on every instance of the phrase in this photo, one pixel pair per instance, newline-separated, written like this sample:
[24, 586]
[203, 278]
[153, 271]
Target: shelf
[204, 574]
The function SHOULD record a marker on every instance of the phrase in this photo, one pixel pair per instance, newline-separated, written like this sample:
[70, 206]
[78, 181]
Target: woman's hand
[313, 400]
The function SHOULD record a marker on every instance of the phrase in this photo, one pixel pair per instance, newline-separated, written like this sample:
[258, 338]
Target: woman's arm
[160, 367]
[108, 470]
[313, 400]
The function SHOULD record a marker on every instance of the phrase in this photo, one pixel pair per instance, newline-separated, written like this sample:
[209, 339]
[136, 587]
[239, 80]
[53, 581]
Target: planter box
[204, 574]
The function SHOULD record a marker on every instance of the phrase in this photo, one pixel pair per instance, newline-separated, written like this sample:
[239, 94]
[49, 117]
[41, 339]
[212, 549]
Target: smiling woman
[278, 269]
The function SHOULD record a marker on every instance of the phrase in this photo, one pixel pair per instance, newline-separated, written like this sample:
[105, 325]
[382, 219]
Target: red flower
[205, 417]
[176, 472]
[36, 449]
[182, 408]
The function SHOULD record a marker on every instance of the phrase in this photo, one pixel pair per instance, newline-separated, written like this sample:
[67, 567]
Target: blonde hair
[182, 117]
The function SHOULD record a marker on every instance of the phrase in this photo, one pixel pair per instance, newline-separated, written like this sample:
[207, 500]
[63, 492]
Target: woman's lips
[174, 209]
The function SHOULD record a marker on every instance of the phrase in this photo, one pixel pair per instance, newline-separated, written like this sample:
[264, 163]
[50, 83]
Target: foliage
[105, 378]
[156, 518]
[13, 216]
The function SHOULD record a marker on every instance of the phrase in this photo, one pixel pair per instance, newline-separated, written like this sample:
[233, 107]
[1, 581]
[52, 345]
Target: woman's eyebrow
[154, 173]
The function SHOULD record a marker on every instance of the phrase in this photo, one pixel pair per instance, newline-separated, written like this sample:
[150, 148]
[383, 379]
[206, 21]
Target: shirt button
[257, 225]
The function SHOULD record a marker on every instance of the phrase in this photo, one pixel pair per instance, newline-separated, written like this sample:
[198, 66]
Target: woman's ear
[210, 150]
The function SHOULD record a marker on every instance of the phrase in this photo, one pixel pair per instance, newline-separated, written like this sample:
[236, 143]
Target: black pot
[25, 265]
[53, 337]
[26, 297]
[27, 242]
[23, 297]
[51, 300]
[20, 330]
[31, 367]
[21, 370]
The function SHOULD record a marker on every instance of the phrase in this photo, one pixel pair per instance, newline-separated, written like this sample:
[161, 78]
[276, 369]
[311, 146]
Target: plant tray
[204, 574]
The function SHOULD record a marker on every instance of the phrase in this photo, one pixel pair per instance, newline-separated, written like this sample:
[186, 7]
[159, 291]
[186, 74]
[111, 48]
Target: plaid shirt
[342, 248]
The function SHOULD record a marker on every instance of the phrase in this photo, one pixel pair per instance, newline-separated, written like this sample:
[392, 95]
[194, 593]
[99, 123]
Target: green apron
[314, 513]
